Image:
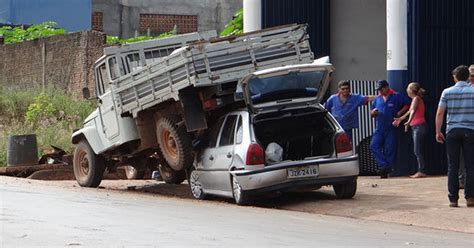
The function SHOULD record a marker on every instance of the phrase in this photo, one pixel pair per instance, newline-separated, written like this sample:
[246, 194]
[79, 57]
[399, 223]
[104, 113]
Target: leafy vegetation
[236, 25]
[20, 34]
[51, 114]
[114, 40]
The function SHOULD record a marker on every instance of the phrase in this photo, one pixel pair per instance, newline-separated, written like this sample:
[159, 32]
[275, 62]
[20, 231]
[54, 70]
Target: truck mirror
[86, 93]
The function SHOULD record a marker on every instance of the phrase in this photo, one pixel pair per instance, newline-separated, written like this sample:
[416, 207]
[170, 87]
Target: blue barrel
[22, 150]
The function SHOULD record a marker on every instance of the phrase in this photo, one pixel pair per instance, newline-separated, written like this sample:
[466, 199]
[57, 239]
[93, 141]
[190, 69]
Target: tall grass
[52, 115]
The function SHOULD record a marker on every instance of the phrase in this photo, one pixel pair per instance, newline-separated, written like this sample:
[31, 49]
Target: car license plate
[299, 172]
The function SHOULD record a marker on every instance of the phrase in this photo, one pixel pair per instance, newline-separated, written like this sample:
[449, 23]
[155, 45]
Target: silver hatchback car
[284, 140]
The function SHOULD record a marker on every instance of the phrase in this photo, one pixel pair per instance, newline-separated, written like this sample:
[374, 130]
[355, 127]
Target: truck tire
[345, 191]
[88, 167]
[132, 174]
[171, 176]
[175, 144]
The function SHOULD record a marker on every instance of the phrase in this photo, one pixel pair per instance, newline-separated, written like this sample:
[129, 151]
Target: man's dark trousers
[456, 140]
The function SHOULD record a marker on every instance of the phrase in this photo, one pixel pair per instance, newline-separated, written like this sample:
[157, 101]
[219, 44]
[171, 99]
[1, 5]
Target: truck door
[107, 112]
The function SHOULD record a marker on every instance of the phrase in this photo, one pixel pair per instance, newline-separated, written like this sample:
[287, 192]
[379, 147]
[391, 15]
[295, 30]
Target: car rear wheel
[240, 197]
[88, 167]
[169, 175]
[195, 185]
[346, 190]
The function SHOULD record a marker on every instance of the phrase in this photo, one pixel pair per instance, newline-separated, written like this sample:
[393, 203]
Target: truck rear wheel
[88, 167]
[171, 176]
[132, 173]
[175, 144]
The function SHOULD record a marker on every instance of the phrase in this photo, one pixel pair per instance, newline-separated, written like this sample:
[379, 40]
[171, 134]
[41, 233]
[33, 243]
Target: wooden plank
[26, 170]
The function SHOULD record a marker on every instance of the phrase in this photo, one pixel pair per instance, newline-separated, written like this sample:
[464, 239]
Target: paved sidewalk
[419, 202]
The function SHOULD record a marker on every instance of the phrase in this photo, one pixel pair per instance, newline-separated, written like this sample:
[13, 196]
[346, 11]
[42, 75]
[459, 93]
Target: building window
[97, 21]
[163, 23]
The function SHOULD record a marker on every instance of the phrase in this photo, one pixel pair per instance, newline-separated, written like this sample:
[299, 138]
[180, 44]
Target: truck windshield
[288, 86]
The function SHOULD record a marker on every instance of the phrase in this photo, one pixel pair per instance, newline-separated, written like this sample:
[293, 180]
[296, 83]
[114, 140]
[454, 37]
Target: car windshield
[288, 86]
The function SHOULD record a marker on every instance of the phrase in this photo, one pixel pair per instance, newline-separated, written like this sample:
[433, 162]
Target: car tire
[175, 144]
[240, 197]
[195, 185]
[88, 167]
[346, 190]
[169, 175]
[133, 174]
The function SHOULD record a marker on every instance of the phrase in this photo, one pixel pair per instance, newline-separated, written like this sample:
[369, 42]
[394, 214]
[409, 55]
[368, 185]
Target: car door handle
[211, 157]
[229, 155]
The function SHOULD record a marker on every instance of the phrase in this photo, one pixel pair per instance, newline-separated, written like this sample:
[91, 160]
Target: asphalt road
[32, 215]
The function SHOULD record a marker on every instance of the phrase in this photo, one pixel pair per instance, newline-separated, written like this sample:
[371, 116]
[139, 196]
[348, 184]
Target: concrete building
[127, 18]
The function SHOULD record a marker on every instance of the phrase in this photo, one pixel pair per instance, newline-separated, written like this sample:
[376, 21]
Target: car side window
[239, 135]
[214, 132]
[227, 133]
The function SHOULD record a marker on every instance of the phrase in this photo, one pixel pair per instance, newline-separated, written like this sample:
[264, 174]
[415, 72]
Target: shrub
[20, 34]
[52, 115]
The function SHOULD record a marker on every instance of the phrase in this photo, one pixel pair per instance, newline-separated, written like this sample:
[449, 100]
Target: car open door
[285, 86]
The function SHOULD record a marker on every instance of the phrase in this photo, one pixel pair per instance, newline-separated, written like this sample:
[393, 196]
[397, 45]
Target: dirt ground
[419, 202]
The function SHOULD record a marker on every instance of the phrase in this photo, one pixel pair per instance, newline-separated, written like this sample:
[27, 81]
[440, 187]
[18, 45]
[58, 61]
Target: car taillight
[343, 144]
[255, 155]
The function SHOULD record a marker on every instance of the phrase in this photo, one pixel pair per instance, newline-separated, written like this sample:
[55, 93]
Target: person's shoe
[470, 202]
[418, 175]
[383, 174]
[453, 204]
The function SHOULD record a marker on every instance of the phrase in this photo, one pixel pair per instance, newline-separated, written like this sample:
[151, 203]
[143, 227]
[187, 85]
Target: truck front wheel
[88, 167]
[175, 144]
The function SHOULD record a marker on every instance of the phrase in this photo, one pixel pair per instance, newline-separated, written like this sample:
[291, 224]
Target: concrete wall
[121, 17]
[65, 62]
[358, 40]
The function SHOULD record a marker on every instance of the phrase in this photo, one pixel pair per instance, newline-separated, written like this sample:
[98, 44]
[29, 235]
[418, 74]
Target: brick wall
[67, 62]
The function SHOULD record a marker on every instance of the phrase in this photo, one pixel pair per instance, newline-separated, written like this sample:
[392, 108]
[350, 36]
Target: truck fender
[91, 135]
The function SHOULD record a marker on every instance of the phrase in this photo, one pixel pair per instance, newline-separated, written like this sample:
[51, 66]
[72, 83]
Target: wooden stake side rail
[211, 62]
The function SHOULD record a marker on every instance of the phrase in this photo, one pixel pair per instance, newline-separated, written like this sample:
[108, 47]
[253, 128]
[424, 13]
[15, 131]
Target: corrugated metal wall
[441, 37]
[313, 12]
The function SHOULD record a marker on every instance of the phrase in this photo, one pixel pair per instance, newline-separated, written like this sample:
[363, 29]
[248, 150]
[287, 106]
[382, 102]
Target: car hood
[277, 88]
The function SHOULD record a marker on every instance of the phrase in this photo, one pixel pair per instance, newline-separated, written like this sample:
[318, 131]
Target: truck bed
[210, 62]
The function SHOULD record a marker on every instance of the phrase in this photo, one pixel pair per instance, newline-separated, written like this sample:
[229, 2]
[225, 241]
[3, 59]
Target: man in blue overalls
[343, 106]
[386, 106]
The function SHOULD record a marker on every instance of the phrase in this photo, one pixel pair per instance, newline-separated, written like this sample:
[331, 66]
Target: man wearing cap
[458, 102]
[385, 107]
[343, 106]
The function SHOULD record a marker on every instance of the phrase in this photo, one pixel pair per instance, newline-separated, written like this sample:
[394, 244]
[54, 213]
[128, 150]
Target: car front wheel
[346, 190]
[195, 185]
